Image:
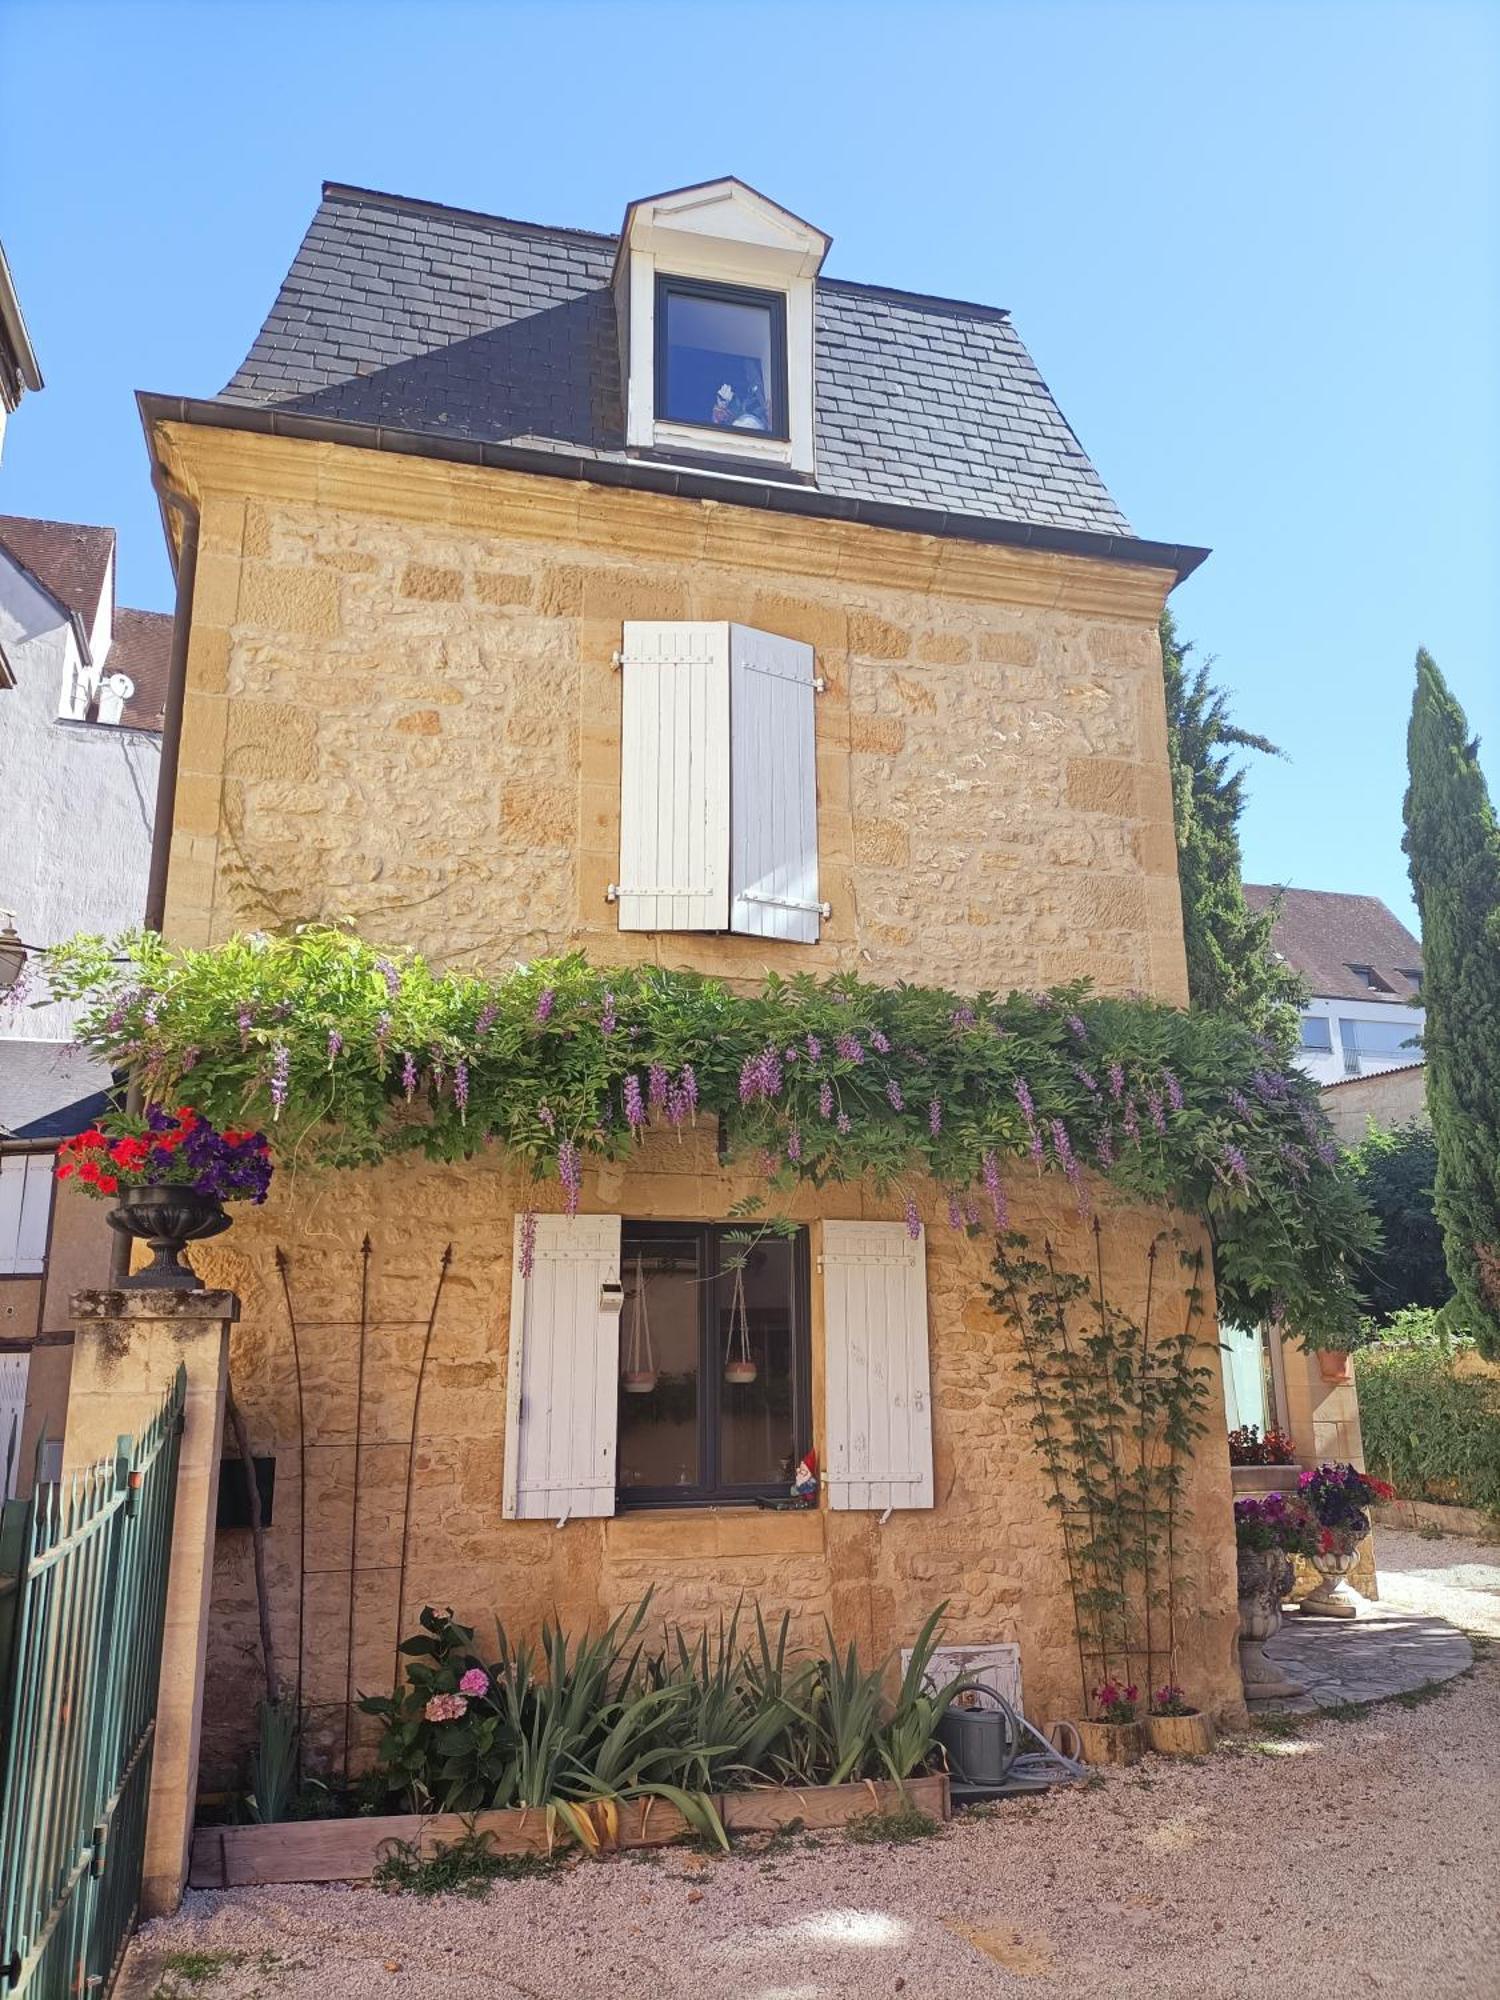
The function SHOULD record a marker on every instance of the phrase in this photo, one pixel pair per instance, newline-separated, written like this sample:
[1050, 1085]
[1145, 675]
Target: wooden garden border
[347, 1850]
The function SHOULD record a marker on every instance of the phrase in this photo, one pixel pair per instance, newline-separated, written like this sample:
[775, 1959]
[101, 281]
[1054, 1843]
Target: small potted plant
[1113, 1736]
[1262, 1462]
[170, 1173]
[1338, 1497]
[1174, 1728]
[1268, 1533]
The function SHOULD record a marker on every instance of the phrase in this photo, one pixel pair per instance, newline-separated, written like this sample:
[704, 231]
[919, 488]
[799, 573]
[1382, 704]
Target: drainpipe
[171, 745]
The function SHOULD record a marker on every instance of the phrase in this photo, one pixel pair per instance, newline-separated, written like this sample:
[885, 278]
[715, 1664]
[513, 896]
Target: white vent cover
[996, 1667]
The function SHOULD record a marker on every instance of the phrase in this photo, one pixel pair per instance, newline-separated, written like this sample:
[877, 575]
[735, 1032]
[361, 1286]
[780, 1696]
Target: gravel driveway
[1349, 1858]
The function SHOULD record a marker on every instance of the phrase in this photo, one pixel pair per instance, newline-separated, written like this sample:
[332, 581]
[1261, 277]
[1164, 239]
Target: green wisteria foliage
[350, 1056]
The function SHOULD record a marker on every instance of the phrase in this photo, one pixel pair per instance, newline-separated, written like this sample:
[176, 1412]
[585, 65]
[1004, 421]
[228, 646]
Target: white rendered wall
[1332, 1066]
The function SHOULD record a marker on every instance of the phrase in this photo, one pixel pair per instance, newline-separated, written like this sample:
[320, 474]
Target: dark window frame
[742, 295]
[710, 1490]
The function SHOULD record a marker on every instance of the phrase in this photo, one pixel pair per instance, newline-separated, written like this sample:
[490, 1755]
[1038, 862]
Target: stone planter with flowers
[170, 1173]
[1268, 1533]
[1338, 1497]
[1174, 1728]
[1114, 1736]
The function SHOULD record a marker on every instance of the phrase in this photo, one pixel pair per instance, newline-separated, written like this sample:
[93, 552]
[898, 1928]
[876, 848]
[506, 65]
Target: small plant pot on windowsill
[1180, 1735]
[638, 1381]
[1333, 1364]
[167, 1218]
[1110, 1742]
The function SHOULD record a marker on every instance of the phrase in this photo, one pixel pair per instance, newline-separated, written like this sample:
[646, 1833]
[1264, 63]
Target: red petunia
[107, 1183]
[63, 1169]
[89, 1171]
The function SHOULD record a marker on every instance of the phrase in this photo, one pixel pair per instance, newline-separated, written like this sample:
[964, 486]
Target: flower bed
[350, 1850]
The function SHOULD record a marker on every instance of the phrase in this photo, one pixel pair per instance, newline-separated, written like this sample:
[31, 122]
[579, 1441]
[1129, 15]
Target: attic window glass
[721, 357]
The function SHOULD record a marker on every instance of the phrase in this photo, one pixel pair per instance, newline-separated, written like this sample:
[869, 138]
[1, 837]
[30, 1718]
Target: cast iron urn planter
[167, 1218]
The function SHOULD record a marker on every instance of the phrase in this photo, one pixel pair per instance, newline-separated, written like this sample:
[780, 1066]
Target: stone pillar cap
[156, 1304]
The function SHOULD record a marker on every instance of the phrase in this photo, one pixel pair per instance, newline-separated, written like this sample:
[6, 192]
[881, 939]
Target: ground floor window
[714, 1363]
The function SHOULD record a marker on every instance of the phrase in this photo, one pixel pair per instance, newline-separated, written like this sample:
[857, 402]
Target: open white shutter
[878, 1434]
[773, 872]
[25, 1209]
[563, 1372]
[674, 777]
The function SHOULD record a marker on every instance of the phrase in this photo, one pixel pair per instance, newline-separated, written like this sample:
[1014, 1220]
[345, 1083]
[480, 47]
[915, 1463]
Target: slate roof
[1324, 936]
[68, 560]
[142, 648]
[412, 317]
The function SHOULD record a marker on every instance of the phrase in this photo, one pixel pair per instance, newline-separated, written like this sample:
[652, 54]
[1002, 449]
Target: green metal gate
[80, 1654]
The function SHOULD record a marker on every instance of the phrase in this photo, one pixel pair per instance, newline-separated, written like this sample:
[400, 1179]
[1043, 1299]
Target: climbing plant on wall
[349, 1055]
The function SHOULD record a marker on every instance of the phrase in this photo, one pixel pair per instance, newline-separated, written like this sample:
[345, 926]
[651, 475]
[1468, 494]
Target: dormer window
[721, 357]
[714, 299]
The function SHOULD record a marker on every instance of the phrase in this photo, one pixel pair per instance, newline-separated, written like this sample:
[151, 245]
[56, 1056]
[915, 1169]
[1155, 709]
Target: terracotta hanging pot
[739, 1364]
[639, 1375]
[740, 1372]
[638, 1381]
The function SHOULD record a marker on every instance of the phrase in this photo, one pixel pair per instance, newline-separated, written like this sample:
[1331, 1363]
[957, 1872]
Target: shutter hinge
[616, 890]
[820, 686]
[786, 903]
[617, 659]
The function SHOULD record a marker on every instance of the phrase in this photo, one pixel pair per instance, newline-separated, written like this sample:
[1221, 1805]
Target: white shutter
[878, 1433]
[773, 870]
[25, 1207]
[674, 777]
[14, 1369]
[564, 1367]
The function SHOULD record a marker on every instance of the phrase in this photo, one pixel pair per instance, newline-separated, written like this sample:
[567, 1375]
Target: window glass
[1381, 1038]
[713, 1364]
[720, 362]
[1316, 1033]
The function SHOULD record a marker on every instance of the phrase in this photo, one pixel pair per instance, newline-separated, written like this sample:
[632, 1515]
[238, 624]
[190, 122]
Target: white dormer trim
[725, 232]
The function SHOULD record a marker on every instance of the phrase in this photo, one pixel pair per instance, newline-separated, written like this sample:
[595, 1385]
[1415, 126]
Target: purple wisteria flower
[1326, 1151]
[1130, 1121]
[1241, 1105]
[879, 1043]
[971, 1213]
[989, 1173]
[687, 1083]
[893, 1093]
[151, 1012]
[548, 1116]
[546, 1001]
[850, 1049]
[1026, 1101]
[1236, 1165]
[635, 1109]
[1074, 1023]
[935, 1117]
[409, 1074]
[1157, 1113]
[281, 1071]
[843, 1124]
[382, 1035]
[657, 1085]
[1116, 1081]
[760, 1076]
[485, 1019]
[1269, 1087]
[335, 1046]
[913, 1220]
[570, 1173]
[1174, 1089]
[608, 1020]
[814, 1048]
[963, 1017]
[790, 1054]
[461, 1090]
[528, 1242]
[794, 1145]
[825, 1100]
[390, 975]
[245, 1021]
[1105, 1148]
[188, 1059]
[1062, 1145]
[1087, 1078]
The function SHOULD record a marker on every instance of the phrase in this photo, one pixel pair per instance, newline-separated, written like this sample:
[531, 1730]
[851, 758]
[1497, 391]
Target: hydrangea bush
[349, 1055]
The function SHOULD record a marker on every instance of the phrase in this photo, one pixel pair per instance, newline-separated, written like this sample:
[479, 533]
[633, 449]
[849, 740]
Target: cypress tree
[1232, 968]
[1453, 847]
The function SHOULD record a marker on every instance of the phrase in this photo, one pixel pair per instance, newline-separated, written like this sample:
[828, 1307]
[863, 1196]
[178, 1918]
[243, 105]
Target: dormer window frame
[768, 299]
[718, 233]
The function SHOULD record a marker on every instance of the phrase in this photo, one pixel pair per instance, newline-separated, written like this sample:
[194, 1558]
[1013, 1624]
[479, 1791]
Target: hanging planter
[640, 1374]
[740, 1367]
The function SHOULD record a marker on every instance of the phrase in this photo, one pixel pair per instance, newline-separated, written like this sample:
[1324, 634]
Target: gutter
[685, 483]
[185, 565]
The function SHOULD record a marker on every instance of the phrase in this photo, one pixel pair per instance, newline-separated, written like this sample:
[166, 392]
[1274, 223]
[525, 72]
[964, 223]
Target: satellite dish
[114, 691]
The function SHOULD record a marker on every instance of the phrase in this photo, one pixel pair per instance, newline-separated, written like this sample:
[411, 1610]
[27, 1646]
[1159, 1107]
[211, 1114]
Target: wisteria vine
[349, 1055]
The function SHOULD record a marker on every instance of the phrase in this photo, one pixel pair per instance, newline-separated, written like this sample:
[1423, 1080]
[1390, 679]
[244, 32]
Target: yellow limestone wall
[401, 708]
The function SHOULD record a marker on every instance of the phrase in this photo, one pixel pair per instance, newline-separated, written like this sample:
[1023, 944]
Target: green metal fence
[86, 1560]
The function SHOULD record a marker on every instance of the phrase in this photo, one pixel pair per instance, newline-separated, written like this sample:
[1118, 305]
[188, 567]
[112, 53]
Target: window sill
[692, 1534]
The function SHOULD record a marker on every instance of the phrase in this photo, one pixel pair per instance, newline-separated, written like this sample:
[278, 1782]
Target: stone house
[656, 596]
[1363, 1015]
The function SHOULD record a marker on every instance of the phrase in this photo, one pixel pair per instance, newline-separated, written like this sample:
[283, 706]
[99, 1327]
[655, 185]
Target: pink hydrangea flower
[475, 1681]
[446, 1708]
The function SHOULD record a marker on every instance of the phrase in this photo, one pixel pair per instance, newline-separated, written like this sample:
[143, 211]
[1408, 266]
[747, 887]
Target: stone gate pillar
[126, 1350]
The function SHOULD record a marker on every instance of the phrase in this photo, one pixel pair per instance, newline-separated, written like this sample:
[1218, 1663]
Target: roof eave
[14, 323]
[656, 477]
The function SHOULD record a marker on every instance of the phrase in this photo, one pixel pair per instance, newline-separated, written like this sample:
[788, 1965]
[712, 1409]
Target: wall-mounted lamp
[13, 954]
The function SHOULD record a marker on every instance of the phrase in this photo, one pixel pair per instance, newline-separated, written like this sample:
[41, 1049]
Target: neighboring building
[80, 749]
[492, 517]
[1363, 970]
[18, 367]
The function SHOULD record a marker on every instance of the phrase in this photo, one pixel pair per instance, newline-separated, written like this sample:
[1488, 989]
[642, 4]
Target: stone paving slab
[1384, 1651]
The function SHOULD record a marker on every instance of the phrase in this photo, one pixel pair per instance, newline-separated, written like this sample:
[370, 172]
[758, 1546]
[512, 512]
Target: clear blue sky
[1253, 248]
